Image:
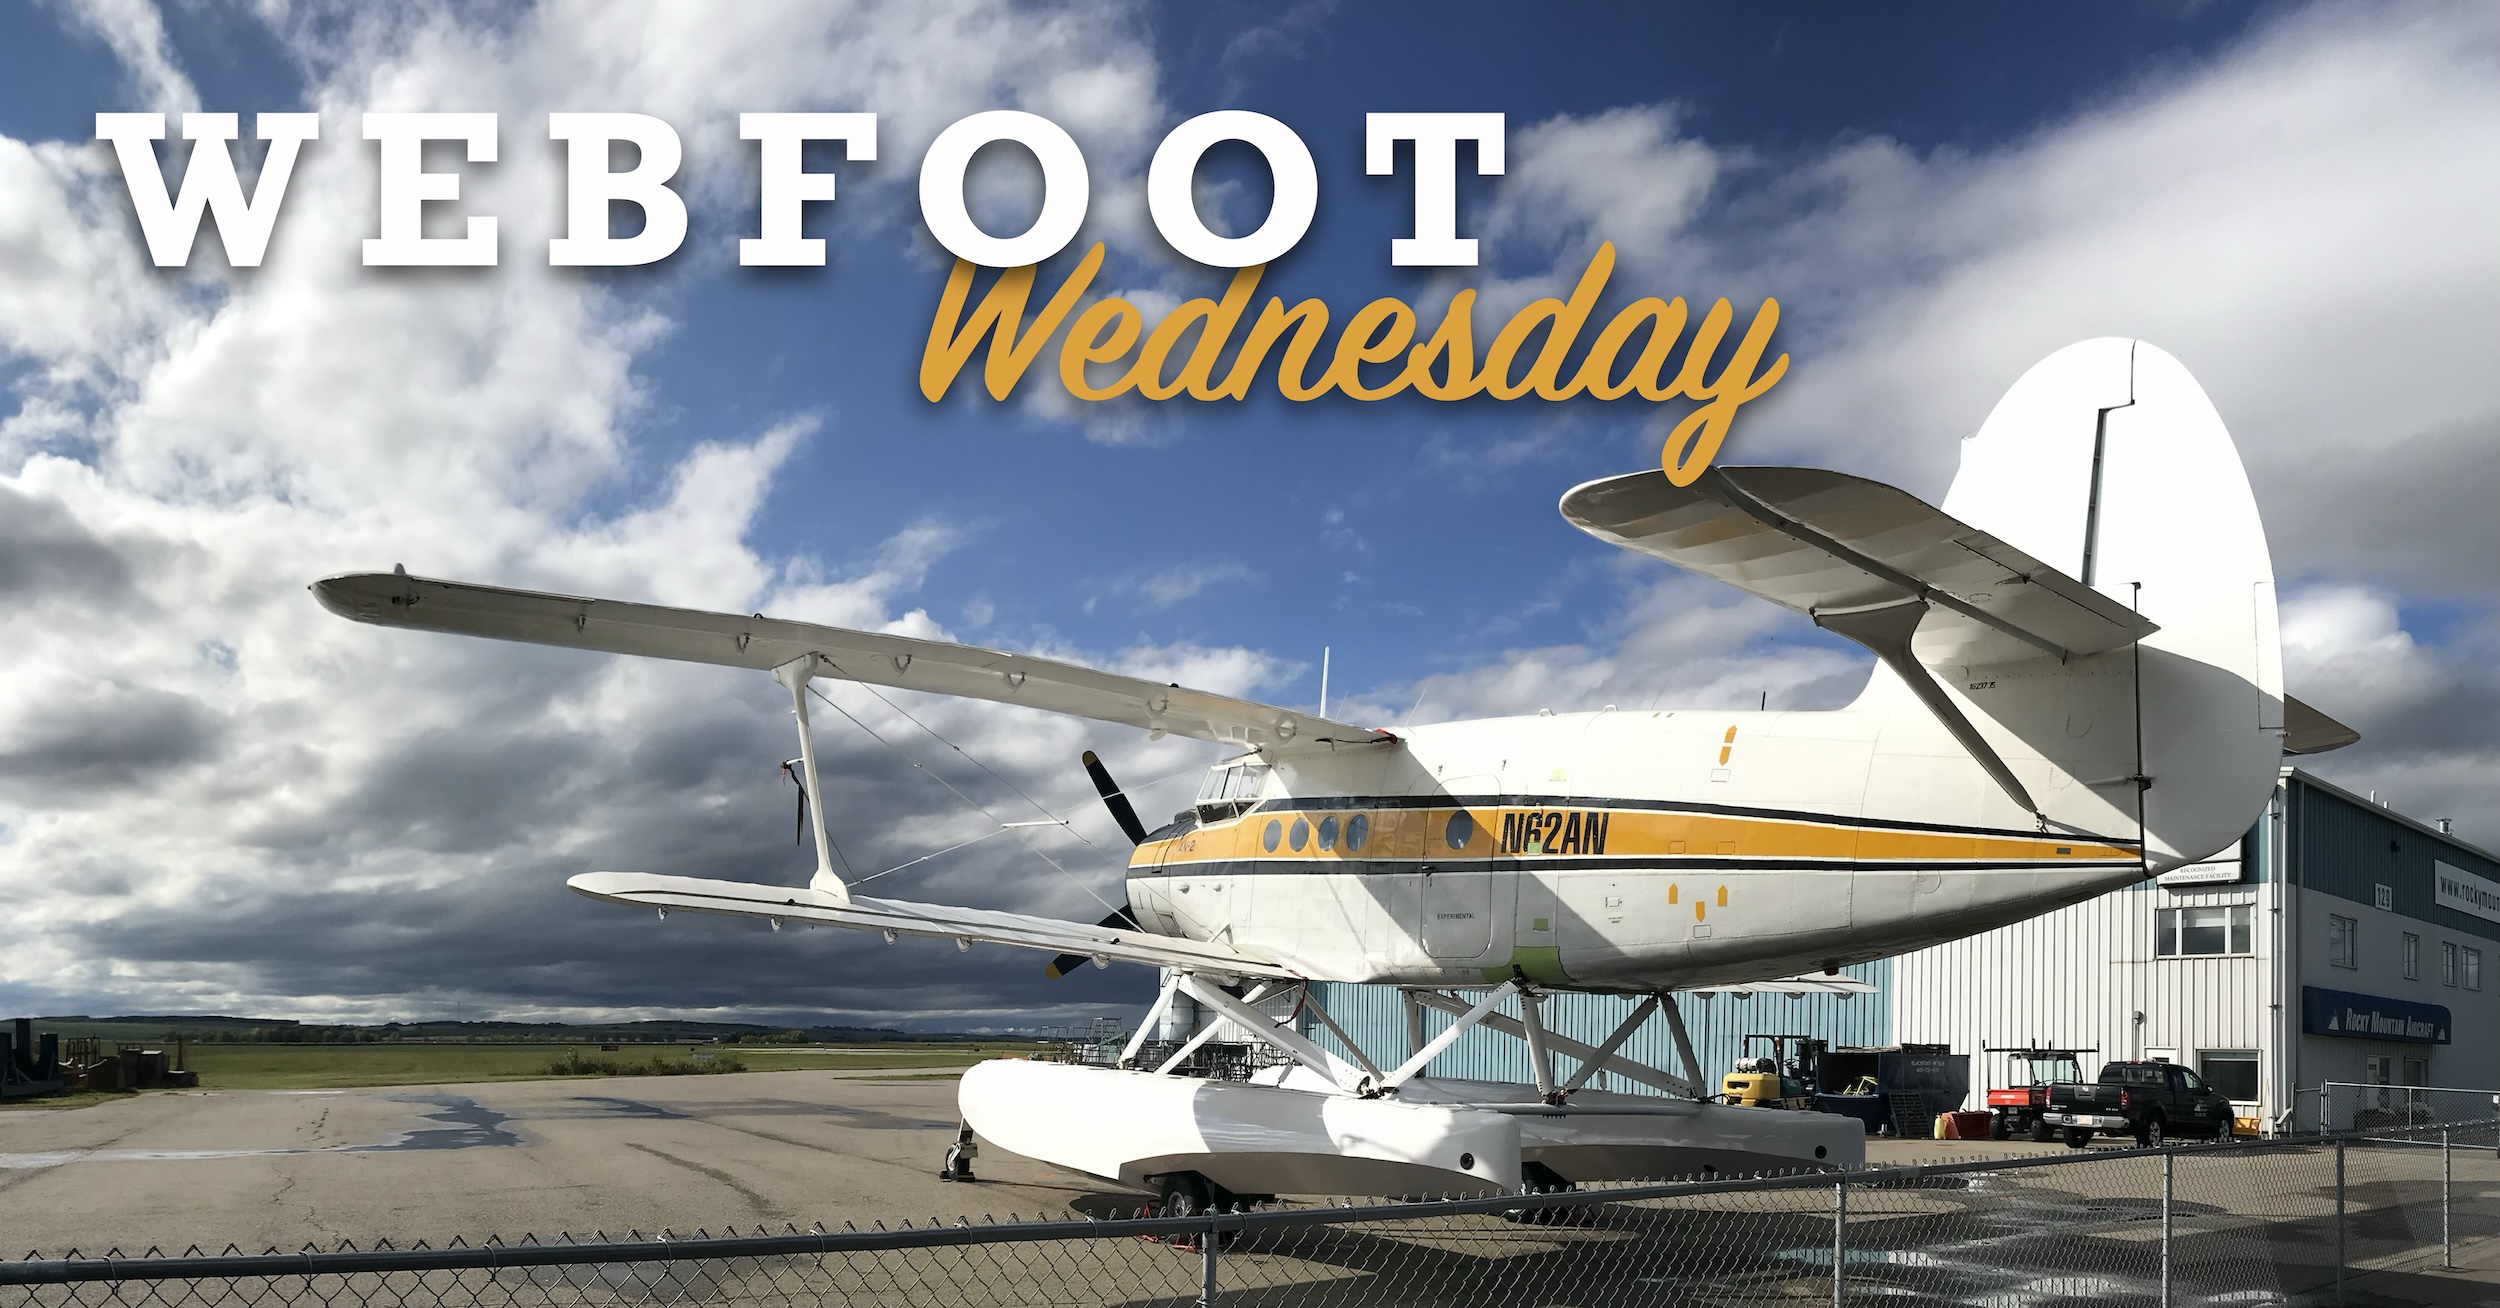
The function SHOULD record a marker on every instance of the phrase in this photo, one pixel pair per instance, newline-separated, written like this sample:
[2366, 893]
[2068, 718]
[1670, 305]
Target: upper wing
[1826, 544]
[755, 641]
[902, 918]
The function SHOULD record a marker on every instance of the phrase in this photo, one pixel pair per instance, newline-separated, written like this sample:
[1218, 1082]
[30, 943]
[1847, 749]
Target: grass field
[325, 1067]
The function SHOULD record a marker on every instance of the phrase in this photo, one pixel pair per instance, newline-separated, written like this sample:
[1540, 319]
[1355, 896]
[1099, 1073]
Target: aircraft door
[1457, 900]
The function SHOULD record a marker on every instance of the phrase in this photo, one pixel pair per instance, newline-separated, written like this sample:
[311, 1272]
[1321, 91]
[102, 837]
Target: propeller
[1115, 799]
[1124, 813]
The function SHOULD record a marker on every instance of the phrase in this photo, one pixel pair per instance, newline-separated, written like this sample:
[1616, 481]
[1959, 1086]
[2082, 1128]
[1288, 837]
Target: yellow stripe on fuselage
[1635, 835]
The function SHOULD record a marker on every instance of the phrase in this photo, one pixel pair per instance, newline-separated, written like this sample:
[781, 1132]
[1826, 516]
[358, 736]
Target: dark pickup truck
[2150, 1101]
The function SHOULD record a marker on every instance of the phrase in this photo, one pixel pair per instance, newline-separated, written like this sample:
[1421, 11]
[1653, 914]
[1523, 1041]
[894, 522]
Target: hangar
[2339, 941]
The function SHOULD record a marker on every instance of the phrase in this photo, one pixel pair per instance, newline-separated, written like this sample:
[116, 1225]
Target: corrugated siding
[1371, 1014]
[2349, 850]
[2078, 977]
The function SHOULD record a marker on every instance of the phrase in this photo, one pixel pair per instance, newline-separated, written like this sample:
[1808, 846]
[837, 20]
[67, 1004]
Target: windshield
[1230, 789]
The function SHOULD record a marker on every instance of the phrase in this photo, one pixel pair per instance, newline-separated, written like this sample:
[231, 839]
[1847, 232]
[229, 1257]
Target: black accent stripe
[1324, 803]
[1367, 867]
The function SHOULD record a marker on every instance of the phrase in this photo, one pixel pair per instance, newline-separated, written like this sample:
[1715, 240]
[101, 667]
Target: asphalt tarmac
[263, 1168]
[286, 1169]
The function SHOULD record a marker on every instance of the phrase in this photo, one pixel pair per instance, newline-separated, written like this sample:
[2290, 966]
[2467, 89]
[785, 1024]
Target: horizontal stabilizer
[2307, 731]
[755, 641]
[1828, 544]
[898, 917]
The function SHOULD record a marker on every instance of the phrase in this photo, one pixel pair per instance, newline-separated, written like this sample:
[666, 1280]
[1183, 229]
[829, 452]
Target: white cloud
[266, 808]
[2305, 222]
[1165, 587]
[218, 796]
[136, 32]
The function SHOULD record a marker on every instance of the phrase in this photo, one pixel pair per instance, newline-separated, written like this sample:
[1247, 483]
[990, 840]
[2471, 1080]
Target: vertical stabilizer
[2107, 461]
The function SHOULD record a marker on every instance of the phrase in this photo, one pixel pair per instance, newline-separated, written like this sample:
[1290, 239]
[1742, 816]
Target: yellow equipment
[1752, 1089]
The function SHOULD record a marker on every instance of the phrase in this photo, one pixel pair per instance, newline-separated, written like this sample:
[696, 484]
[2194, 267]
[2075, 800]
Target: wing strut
[1886, 629]
[795, 675]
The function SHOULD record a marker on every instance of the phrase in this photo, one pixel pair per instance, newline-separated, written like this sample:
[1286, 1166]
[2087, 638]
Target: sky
[214, 797]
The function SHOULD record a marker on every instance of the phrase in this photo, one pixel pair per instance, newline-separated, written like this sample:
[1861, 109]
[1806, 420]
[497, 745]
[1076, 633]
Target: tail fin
[2107, 462]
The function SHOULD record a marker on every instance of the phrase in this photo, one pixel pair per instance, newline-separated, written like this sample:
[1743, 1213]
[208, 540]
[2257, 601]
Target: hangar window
[2201, 929]
[2473, 969]
[2342, 941]
[2231, 1072]
[2448, 962]
[2413, 957]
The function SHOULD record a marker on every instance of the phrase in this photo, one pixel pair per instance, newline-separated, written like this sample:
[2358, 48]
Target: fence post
[2169, 1168]
[1206, 1261]
[2447, 1197]
[1840, 1235]
[2339, 1219]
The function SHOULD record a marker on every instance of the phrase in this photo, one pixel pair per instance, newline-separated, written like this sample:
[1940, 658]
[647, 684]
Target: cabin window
[1328, 832]
[1231, 789]
[1299, 836]
[2202, 929]
[1358, 830]
[1462, 829]
[1274, 833]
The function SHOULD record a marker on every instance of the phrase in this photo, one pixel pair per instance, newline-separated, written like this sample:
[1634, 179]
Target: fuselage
[1624, 851]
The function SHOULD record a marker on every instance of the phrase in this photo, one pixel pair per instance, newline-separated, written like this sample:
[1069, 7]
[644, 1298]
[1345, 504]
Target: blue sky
[1054, 520]
[2287, 198]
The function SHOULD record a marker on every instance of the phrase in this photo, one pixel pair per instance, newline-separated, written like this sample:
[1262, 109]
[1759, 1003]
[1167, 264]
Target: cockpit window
[1231, 789]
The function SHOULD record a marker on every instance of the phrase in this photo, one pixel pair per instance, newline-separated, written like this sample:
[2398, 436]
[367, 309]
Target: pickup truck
[2150, 1101]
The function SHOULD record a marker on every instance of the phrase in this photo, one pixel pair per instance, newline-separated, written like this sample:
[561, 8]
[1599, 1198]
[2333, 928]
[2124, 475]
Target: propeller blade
[1123, 920]
[1114, 799]
[798, 828]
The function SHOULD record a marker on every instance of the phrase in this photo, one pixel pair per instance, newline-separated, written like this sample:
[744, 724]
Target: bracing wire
[976, 805]
[1037, 804]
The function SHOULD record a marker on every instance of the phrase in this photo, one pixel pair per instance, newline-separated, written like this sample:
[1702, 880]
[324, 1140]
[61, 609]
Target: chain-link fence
[2352, 1106]
[2252, 1222]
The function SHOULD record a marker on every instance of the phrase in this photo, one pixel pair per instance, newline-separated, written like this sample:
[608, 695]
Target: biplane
[2077, 685]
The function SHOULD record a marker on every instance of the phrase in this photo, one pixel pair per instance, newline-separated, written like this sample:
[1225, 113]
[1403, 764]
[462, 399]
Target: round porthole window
[1299, 836]
[1275, 832]
[1328, 833]
[1358, 829]
[1462, 829]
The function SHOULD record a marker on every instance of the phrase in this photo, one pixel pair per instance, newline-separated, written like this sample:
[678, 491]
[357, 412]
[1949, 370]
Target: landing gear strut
[959, 1156]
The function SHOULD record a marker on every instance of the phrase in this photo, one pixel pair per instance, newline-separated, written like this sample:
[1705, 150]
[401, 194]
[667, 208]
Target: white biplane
[2078, 685]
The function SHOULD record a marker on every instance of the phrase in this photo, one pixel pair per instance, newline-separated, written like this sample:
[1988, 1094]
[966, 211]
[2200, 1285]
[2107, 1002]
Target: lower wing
[897, 917]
